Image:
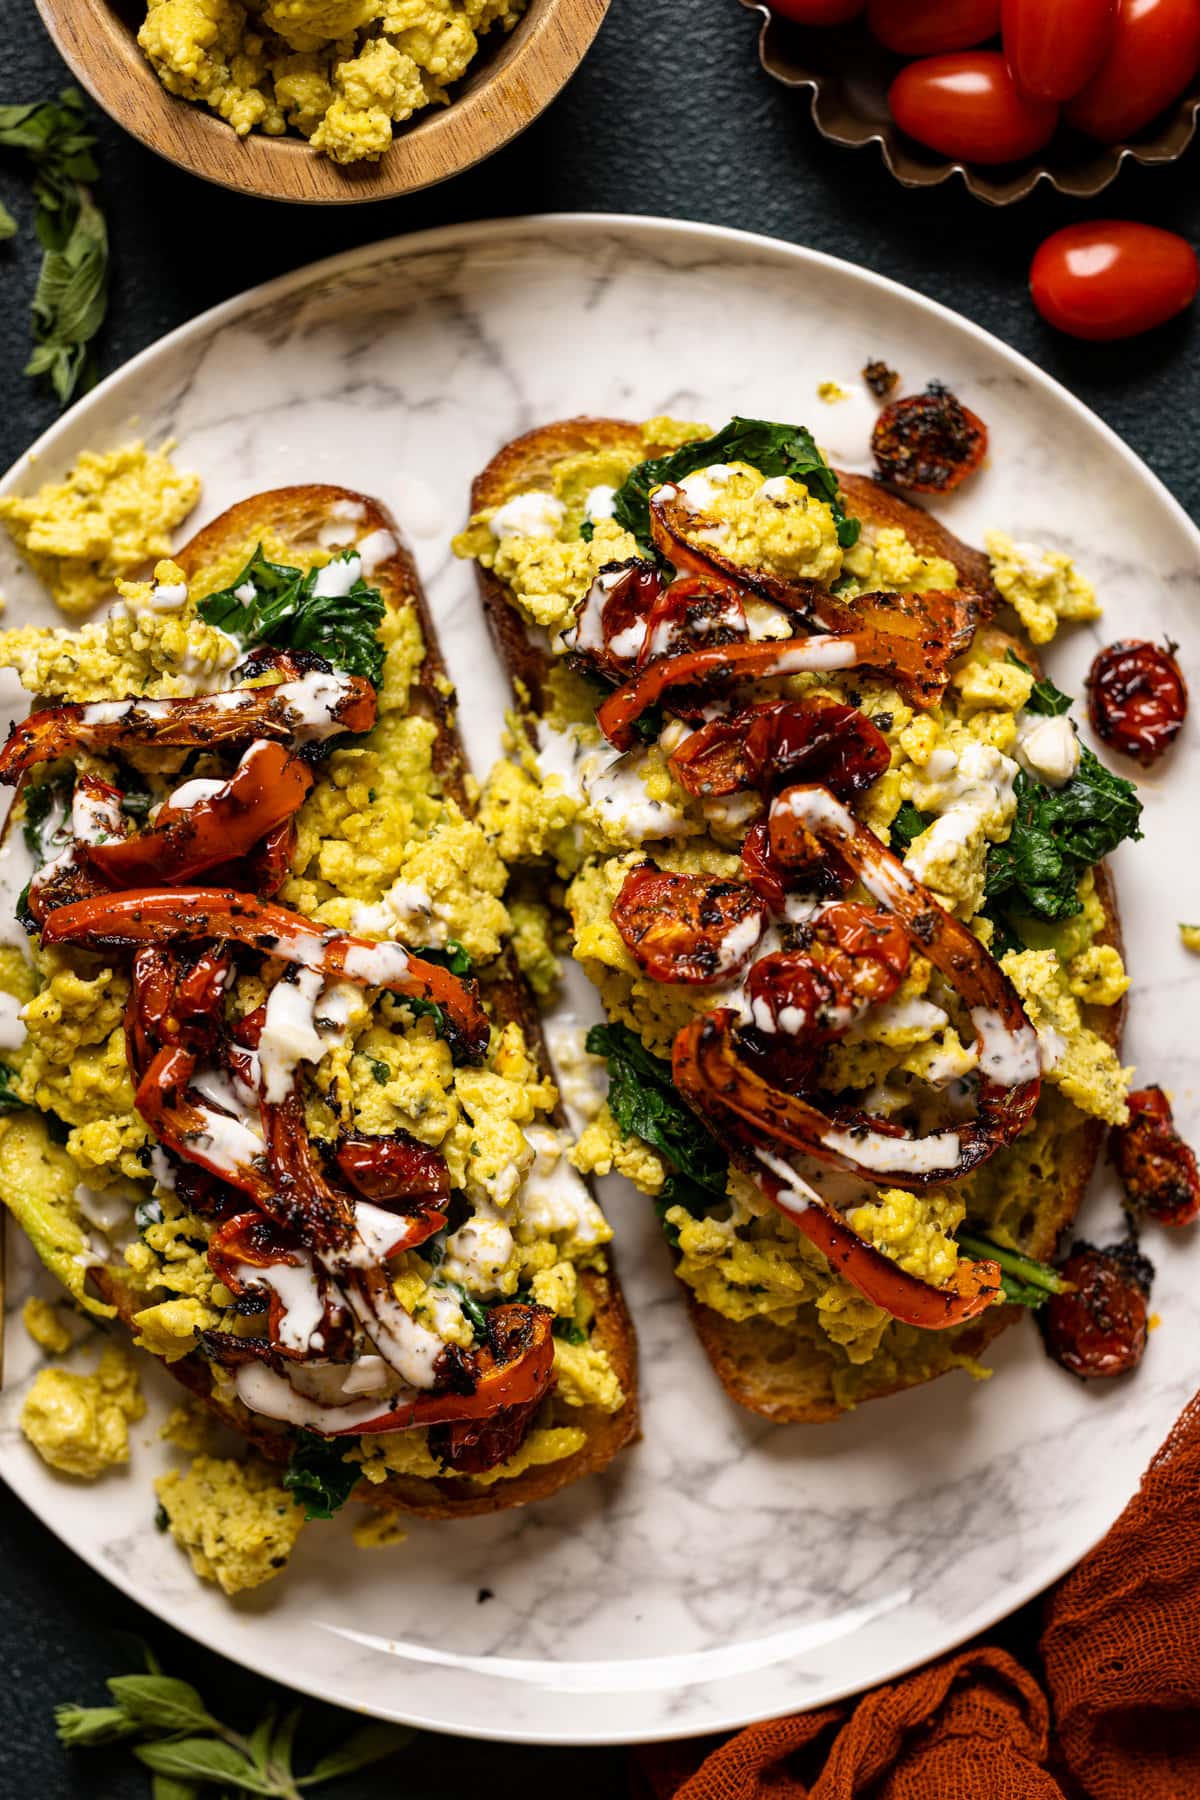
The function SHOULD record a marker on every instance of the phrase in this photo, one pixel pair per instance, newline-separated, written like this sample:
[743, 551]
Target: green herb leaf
[1059, 833]
[1025, 1281]
[771, 448]
[167, 1787]
[908, 824]
[318, 1477]
[8, 225]
[147, 1213]
[46, 804]
[475, 1315]
[71, 296]
[569, 1331]
[285, 610]
[1044, 697]
[454, 957]
[369, 1744]
[1005, 938]
[645, 1103]
[587, 530]
[161, 1703]
[380, 1071]
[81, 1726]
[204, 1759]
[8, 1096]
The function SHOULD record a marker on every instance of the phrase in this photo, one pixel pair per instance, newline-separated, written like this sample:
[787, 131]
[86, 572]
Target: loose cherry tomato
[1111, 278]
[967, 106]
[1158, 1170]
[928, 442]
[817, 12]
[925, 27]
[1098, 1328]
[1137, 698]
[1054, 46]
[1152, 55]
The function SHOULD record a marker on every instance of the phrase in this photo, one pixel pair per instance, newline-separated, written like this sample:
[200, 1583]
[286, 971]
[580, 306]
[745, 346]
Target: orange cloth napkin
[1120, 1652]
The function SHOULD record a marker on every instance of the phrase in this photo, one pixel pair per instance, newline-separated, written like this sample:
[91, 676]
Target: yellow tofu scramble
[341, 73]
[947, 801]
[383, 850]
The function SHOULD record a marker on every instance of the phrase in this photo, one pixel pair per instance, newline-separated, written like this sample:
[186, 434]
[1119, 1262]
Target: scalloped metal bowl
[848, 75]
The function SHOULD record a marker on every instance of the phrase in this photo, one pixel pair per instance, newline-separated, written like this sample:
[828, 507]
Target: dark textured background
[670, 114]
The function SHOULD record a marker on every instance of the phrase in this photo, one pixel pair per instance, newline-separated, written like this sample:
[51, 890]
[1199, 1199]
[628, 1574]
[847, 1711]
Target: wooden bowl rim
[536, 61]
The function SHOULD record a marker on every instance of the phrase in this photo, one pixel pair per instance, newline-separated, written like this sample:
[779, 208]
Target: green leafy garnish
[645, 1103]
[188, 1750]
[771, 448]
[147, 1213]
[908, 824]
[8, 1098]
[284, 609]
[569, 1331]
[46, 804]
[71, 296]
[137, 799]
[1044, 697]
[454, 957]
[380, 1071]
[318, 1477]
[1057, 835]
[1024, 1281]
[475, 1315]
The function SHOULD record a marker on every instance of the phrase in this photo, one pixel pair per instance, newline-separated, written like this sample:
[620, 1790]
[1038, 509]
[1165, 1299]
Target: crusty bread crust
[297, 515]
[766, 1368]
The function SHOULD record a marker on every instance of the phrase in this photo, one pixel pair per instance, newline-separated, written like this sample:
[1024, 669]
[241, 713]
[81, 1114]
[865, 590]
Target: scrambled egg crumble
[79, 1424]
[955, 765]
[112, 514]
[383, 850]
[236, 1523]
[341, 73]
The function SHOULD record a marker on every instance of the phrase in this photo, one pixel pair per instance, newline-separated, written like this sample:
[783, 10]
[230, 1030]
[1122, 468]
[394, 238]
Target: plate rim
[744, 245]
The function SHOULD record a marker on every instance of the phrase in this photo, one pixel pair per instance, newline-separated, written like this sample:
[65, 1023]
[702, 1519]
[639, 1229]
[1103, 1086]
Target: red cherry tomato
[1152, 56]
[1111, 278]
[817, 12]
[967, 106]
[1054, 46]
[925, 27]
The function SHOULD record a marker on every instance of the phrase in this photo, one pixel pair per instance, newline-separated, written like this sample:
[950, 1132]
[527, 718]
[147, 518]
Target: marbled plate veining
[724, 1569]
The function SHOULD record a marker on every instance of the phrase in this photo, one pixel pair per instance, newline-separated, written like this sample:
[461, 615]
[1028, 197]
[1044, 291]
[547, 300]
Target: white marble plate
[724, 1570]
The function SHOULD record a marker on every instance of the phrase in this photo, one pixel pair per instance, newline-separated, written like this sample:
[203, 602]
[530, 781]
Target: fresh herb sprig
[909, 823]
[8, 1095]
[270, 603]
[771, 448]
[645, 1103]
[188, 1751]
[1044, 697]
[1025, 1282]
[71, 296]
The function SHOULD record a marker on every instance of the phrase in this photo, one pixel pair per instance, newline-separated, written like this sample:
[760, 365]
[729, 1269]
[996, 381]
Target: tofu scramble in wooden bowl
[324, 102]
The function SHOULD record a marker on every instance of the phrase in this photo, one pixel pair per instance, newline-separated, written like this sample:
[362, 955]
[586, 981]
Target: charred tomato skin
[928, 443]
[1099, 1328]
[1157, 1169]
[1137, 698]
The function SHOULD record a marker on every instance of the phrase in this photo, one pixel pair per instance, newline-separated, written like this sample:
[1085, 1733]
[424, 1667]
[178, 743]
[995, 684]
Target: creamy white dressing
[531, 515]
[582, 1078]
[410, 1349]
[912, 1156]
[312, 702]
[226, 1143]
[12, 1025]
[478, 1253]
[608, 781]
[168, 596]
[600, 502]
[335, 580]
[200, 788]
[263, 1391]
[1047, 748]
[1006, 1056]
[375, 965]
[588, 632]
[738, 942]
[289, 1034]
[303, 1306]
[797, 1196]
[699, 491]
[17, 869]
[108, 1209]
[554, 1196]
[375, 548]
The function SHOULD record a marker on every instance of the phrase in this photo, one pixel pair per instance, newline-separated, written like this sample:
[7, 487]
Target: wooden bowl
[512, 80]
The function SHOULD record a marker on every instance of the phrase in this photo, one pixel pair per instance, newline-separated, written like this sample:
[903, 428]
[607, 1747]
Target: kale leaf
[318, 1476]
[285, 610]
[1044, 697]
[473, 1313]
[771, 448]
[46, 803]
[645, 1103]
[1058, 834]
[908, 824]
[454, 957]
[8, 1099]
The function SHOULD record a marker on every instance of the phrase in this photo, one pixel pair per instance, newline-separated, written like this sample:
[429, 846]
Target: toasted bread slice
[297, 516]
[774, 1371]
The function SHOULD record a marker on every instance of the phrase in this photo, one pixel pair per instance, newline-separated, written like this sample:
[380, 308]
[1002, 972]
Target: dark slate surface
[670, 114]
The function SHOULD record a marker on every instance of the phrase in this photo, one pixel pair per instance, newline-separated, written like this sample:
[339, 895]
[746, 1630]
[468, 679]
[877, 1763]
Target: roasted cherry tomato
[1137, 698]
[926, 27]
[1053, 46]
[966, 106]
[1099, 1327]
[928, 442]
[1111, 278]
[818, 12]
[1157, 1169]
[1152, 55]
[693, 928]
